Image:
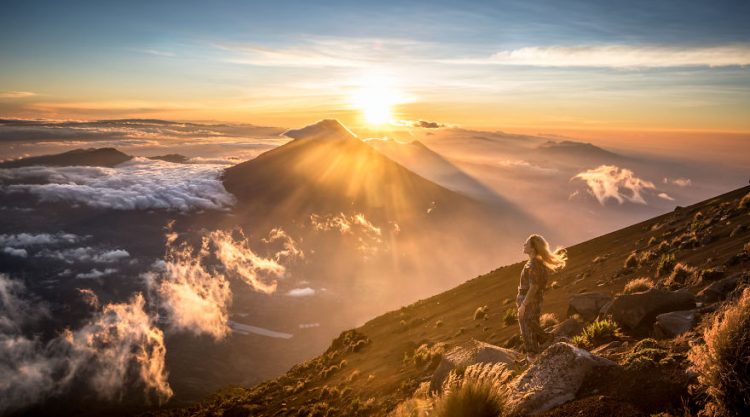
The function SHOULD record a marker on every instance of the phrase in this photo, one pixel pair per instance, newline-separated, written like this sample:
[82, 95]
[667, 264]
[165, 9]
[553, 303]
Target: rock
[720, 289]
[470, 353]
[674, 323]
[567, 328]
[587, 305]
[641, 309]
[553, 379]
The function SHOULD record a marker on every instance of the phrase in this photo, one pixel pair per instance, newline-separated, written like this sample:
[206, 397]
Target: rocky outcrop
[470, 353]
[587, 305]
[567, 328]
[553, 379]
[674, 323]
[640, 309]
[719, 290]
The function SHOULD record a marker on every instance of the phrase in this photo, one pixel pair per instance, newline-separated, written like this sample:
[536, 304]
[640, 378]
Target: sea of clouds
[139, 184]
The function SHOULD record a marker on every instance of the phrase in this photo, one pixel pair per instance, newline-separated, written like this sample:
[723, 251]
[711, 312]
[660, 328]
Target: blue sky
[289, 60]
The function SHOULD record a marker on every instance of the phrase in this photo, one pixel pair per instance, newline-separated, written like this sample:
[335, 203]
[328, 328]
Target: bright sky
[546, 66]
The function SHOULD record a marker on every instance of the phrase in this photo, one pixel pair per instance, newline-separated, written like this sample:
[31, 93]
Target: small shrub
[428, 356]
[632, 261]
[471, 399]
[681, 275]
[597, 334]
[745, 202]
[439, 323]
[480, 313]
[651, 242]
[665, 266]
[510, 316]
[327, 372]
[722, 362]
[712, 274]
[638, 285]
[554, 285]
[548, 320]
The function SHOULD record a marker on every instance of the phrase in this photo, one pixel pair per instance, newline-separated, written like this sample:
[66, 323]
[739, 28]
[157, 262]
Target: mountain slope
[328, 169]
[433, 166]
[102, 157]
[366, 371]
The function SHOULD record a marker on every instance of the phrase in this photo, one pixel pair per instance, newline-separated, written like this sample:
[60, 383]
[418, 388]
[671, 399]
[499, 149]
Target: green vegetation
[645, 354]
[665, 266]
[597, 334]
[638, 285]
[510, 317]
[722, 363]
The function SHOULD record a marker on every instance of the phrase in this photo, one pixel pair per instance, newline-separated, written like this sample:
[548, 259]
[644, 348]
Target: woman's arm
[533, 288]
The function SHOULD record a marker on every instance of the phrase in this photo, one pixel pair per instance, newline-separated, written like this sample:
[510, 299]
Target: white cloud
[368, 236]
[196, 296]
[140, 184]
[22, 253]
[665, 196]
[301, 292]
[95, 273]
[680, 182]
[610, 181]
[620, 56]
[85, 254]
[29, 239]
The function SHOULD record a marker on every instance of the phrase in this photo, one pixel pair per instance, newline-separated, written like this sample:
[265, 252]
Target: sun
[375, 98]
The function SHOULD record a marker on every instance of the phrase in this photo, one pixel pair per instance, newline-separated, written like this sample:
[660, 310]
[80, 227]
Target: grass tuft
[638, 285]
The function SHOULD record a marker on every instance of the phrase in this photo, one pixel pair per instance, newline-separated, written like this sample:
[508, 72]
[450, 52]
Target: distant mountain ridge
[102, 157]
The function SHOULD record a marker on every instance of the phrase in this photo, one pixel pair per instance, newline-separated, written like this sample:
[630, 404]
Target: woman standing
[534, 275]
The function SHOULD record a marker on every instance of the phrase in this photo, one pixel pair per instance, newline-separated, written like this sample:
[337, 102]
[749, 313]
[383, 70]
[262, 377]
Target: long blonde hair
[554, 261]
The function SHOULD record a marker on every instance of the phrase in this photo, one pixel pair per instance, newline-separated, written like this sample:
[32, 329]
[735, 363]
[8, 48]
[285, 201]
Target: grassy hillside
[370, 370]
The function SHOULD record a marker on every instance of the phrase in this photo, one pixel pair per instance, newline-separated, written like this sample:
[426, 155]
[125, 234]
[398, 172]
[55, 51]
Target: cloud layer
[140, 184]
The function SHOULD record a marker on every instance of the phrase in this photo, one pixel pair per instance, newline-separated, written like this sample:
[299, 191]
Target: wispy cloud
[619, 56]
[16, 94]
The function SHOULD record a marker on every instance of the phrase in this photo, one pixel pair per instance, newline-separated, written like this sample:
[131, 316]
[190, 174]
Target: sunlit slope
[377, 376]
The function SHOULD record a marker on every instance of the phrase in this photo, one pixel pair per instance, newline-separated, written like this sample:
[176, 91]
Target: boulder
[640, 309]
[470, 353]
[587, 304]
[567, 328]
[719, 290]
[674, 323]
[554, 379]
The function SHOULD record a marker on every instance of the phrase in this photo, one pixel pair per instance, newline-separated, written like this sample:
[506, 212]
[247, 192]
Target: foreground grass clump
[638, 285]
[723, 362]
[597, 334]
[472, 399]
[645, 354]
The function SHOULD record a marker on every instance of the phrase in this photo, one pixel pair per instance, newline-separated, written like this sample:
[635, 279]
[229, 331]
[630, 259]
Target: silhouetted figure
[534, 275]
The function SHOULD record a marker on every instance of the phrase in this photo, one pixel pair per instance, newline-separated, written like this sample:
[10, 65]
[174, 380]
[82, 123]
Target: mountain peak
[324, 129]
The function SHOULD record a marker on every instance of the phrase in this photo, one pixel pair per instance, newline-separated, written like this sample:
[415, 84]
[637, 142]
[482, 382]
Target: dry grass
[745, 201]
[723, 362]
[480, 313]
[638, 285]
[681, 275]
[632, 261]
[548, 320]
